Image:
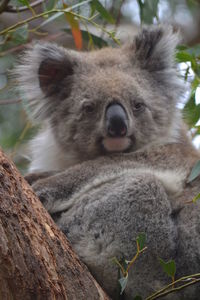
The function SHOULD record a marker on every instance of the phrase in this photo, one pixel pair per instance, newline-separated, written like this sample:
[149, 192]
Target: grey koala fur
[102, 191]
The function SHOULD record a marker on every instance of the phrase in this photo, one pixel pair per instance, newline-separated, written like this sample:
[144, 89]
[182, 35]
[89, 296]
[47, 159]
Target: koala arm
[169, 163]
[58, 188]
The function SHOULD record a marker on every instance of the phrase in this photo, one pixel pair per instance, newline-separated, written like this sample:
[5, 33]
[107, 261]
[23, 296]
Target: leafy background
[86, 25]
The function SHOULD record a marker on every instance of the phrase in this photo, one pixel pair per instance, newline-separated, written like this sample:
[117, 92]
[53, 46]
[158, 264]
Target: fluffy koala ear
[153, 48]
[45, 77]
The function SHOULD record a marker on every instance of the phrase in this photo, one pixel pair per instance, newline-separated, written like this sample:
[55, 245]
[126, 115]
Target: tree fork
[36, 260]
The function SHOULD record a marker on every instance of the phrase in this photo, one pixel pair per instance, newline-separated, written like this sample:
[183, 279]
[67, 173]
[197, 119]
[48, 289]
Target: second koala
[115, 156]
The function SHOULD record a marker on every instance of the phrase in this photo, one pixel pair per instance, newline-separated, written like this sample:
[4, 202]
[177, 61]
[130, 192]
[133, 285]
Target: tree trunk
[36, 260]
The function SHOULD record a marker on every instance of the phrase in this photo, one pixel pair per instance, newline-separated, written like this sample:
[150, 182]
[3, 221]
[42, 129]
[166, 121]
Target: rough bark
[36, 260]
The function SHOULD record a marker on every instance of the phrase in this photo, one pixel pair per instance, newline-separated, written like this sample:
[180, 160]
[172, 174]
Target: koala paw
[31, 178]
[45, 193]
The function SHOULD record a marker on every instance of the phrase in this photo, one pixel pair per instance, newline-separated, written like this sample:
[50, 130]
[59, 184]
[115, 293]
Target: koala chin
[116, 144]
[113, 156]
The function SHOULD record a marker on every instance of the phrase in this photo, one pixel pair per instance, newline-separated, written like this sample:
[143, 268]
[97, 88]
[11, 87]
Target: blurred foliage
[77, 17]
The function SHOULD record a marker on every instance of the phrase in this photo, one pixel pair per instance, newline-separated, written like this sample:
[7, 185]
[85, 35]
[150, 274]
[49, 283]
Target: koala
[112, 157]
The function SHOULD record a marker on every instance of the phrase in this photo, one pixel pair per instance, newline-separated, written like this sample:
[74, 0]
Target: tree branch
[37, 261]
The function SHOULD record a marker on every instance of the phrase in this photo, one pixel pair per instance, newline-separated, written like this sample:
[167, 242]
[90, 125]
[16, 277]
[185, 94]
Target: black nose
[116, 120]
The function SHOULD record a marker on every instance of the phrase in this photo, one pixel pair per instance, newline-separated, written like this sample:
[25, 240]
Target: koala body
[113, 157]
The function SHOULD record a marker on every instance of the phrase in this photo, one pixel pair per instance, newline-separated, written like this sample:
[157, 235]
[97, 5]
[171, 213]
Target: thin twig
[132, 262]
[15, 9]
[135, 257]
[43, 14]
[175, 289]
[171, 284]
[99, 27]
[120, 266]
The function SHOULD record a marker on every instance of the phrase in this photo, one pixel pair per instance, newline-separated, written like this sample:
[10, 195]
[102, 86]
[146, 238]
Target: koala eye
[88, 107]
[138, 106]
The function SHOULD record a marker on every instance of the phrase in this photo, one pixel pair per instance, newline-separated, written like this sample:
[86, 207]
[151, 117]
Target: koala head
[108, 100]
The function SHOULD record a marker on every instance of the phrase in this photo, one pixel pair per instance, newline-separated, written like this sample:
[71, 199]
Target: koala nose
[116, 120]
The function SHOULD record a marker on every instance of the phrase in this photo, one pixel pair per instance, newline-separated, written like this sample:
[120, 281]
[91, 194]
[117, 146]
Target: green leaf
[52, 18]
[197, 71]
[24, 2]
[103, 12]
[20, 35]
[123, 283]
[92, 9]
[141, 240]
[195, 84]
[183, 56]
[168, 267]
[194, 65]
[181, 47]
[192, 51]
[191, 111]
[148, 10]
[137, 297]
[195, 172]
[192, 4]
[98, 41]
[3, 81]
[197, 197]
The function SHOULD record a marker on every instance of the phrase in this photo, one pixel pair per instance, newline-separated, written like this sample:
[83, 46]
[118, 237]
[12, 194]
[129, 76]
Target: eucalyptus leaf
[184, 56]
[148, 10]
[181, 47]
[141, 240]
[103, 12]
[98, 41]
[24, 2]
[123, 283]
[168, 267]
[92, 9]
[20, 35]
[195, 172]
[191, 111]
[51, 19]
[197, 197]
[137, 297]
[195, 84]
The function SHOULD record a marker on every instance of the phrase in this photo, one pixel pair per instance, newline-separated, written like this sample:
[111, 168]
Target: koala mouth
[116, 144]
